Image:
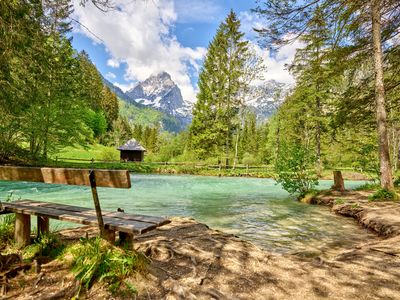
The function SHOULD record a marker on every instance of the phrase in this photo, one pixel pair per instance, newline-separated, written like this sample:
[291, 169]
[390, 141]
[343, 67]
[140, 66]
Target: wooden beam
[22, 230]
[96, 201]
[126, 239]
[104, 178]
[43, 225]
[109, 235]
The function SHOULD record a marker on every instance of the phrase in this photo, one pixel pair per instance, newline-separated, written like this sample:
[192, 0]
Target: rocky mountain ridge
[161, 93]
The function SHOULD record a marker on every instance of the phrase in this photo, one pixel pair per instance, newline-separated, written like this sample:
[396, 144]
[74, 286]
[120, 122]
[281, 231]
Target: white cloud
[276, 64]
[124, 87]
[113, 63]
[138, 34]
[276, 69]
[110, 75]
[248, 21]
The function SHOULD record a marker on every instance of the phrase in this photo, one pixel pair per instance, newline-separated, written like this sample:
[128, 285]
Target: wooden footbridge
[109, 222]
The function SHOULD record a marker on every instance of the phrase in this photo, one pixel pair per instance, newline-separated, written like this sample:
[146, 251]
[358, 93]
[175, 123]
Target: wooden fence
[184, 164]
[248, 168]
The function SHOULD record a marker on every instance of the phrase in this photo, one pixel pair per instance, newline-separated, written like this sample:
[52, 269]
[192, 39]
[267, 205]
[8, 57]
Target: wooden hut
[131, 151]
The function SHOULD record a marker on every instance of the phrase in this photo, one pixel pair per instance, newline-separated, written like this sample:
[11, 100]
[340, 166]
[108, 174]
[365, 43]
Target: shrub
[249, 159]
[383, 195]
[95, 259]
[109, 154]
[295, 169]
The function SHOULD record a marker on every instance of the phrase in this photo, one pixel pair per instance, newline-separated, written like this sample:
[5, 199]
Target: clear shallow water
[253, 209]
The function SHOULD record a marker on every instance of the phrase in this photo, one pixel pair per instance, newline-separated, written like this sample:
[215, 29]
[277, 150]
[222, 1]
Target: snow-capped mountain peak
[161, 92]
[264, 100]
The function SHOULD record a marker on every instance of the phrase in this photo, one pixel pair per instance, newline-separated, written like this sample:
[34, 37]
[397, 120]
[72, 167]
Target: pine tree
[313, 73]
[221, 86]
[109, 105]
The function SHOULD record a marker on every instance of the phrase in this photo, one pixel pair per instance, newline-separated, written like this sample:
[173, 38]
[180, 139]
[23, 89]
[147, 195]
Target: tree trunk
[338, 182]
[318, 138]
[236, 149]
[278, 135]
[384, 155]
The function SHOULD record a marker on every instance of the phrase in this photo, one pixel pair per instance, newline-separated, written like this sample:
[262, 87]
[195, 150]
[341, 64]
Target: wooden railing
[264, 168]
[165, 163]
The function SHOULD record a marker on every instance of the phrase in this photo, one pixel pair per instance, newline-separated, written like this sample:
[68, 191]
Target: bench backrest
[104, 178]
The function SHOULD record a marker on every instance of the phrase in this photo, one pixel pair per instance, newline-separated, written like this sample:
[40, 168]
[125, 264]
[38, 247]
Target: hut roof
[132, 145]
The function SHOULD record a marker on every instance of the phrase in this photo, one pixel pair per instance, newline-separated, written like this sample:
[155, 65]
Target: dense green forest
[342, 112]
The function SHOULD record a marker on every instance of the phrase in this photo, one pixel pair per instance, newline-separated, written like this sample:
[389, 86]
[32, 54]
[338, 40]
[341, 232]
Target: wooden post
[338, 182]
[96, 203]
[109, 235]
[42, 225]
[126, 238]
[22, 230]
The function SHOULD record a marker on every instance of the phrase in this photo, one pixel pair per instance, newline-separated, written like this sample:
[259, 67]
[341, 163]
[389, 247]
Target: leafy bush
[95, 259]
[249, 159]
[383, 195]
[295, 169]
[109, 154]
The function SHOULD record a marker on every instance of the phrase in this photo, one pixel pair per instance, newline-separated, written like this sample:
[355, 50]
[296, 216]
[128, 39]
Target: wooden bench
[109, 222]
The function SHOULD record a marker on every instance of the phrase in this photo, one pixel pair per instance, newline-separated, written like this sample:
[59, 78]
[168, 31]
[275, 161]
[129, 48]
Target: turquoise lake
[256, 210]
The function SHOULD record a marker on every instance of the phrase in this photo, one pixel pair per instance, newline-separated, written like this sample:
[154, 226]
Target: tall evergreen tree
[312, 71]
[221, 87]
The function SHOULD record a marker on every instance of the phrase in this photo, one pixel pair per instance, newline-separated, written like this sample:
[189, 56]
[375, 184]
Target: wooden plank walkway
[123, 222]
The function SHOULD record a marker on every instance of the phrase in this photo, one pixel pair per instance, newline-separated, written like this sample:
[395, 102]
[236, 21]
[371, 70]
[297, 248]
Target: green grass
[96, 260]
[45, 245]
[7, 226]
[96, 151]
[383, 195]
[368, 186]
[339, 201]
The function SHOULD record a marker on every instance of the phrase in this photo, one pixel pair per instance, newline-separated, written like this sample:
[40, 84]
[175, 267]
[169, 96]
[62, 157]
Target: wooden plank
[129, 226]
[159, 221]
[104, 178]
[22, 232]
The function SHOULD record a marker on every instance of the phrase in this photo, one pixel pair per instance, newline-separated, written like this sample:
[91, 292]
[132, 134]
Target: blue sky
[142, 38]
